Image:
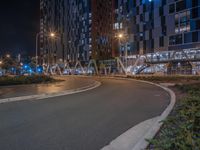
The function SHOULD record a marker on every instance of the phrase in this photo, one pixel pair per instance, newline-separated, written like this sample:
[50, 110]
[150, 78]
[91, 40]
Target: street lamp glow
[1, 62]
[120, 36]
[8, 55]
[52, 35]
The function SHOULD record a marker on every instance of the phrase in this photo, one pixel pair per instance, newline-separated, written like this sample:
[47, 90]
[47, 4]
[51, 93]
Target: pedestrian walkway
[69, 83]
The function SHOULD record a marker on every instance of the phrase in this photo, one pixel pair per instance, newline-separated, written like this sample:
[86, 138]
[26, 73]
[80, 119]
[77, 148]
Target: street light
[51, 34]
[121, 37]
[8, 55]
[36, 50]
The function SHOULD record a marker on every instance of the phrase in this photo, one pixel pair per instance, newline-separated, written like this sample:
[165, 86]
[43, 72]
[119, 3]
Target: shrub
[166, 78]
[8, 80]
[181, 131]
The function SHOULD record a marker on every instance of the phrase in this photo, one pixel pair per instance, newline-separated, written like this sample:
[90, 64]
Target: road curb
[44, 96]
[142, 143]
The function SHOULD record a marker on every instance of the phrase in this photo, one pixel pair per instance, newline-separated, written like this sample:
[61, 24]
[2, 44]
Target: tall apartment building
[159, 25]
[184, 32]
[71, 23]
[84, 28]
[78, 29]
[102, 29]
[51, 20]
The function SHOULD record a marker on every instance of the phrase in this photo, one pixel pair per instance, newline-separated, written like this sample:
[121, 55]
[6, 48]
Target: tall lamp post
[1, 62]
[122, 37]
[36, 50]
[52, 35]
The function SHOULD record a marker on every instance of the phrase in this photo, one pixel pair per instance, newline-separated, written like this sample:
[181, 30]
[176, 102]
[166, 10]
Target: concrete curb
[142, 144]
[153, 130]
[44, 96]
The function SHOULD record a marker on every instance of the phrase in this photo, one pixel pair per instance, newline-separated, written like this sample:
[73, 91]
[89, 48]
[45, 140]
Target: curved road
[84, 121]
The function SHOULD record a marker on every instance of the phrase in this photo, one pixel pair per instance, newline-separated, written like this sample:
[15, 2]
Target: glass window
[197, 24]
[163, 2]
[175, 39]
[161, 11]
[182, 22]
[194, 13]
[171, 8]
[194, 3]
[176, 23]
[187, 37]
[180, 6]
[144, 8]
[164, 30]
[161, 41]
[195, 37]
[163, 22]
[152, 43]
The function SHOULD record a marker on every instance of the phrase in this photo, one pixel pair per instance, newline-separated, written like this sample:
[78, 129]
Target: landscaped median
[17, 80]
[181, 129]
[168, 79]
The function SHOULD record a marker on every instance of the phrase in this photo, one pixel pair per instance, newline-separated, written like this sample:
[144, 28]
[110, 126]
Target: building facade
[51, 20]
[84, 29]
[184, 32]
[78, 29]
[159, 25]
[102, 29]
[70, 21]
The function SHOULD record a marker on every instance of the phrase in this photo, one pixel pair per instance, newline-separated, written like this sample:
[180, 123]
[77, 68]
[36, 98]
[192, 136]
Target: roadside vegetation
[34, 79]
[172, 79]
[181, 130]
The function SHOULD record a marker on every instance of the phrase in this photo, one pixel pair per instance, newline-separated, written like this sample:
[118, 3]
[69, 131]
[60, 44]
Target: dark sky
[19, 23]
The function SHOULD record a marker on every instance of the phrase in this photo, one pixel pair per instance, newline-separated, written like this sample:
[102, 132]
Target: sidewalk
[70, 83]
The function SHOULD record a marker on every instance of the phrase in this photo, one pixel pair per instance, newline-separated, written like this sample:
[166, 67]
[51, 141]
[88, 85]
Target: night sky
[19, 23]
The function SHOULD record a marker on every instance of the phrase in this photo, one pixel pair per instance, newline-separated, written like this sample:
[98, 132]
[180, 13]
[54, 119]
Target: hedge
[15, 80]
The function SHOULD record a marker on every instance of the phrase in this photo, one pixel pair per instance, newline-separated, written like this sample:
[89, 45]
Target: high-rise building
[51, 21]
[159, 25]
[102, 29]
[183, 24]
[78, 29]
[70, 21]
[84, 30]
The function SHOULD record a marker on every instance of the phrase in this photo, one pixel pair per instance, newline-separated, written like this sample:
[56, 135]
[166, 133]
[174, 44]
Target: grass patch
[181, 130]
[174, 79]
[34, 79]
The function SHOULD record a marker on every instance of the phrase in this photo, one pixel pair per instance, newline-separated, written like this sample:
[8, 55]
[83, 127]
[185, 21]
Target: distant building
[84, 29]
[159, 25]
[87, 28]
[78, 29]
[102, 29]
[51, 20]
[71, 22]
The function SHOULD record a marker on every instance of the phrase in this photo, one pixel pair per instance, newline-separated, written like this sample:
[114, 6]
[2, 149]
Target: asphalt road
[84, 121]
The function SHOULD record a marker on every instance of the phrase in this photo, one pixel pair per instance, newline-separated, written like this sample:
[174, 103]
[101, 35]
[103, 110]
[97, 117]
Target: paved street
[71, 82]
[84, 121]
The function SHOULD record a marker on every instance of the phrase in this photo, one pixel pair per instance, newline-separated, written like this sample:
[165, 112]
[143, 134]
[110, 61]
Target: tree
[8, 63]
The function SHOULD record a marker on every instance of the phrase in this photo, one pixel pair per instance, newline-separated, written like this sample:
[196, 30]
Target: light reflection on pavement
[70, 83]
